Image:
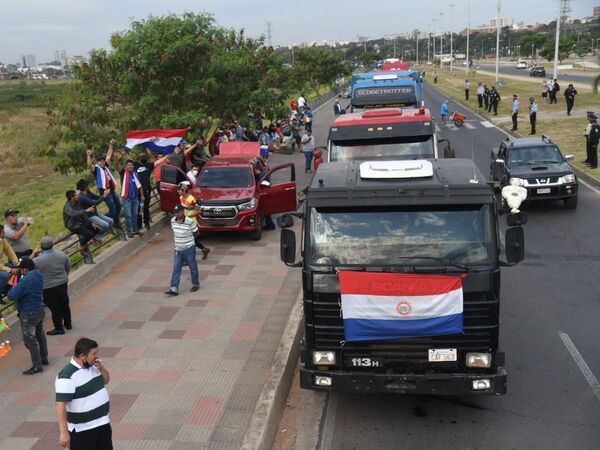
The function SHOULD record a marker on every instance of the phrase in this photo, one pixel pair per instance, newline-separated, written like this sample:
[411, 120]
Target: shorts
[264, 152]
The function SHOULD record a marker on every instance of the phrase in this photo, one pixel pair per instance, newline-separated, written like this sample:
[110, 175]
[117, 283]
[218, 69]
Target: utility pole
[452, 5]
[269, 36]
[442, 39]
[557, 40]
[433, 40]
[468, 34]
[497, 39]
[417, 48]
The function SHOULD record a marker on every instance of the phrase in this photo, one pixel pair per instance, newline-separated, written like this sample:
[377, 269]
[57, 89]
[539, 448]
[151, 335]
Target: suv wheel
[571, 202]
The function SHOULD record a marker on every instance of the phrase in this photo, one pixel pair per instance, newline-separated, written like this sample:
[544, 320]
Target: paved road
[563, 75]
[550, 403]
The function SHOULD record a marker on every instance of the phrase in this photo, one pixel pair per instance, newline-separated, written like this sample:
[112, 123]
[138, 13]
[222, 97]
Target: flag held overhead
[383, 306]
[157, 141]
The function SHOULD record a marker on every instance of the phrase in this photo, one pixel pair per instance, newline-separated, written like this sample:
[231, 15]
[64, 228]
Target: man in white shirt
[185, 231]
[515, 111]
[308, 146]
[302, 102]
[480, 93]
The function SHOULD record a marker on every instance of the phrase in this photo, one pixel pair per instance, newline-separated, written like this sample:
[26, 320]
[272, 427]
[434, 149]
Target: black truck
[423, 219]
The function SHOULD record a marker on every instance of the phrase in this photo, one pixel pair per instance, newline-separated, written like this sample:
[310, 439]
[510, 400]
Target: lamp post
[557, 41]
[442, 39]
[433, 40]
[417, 56]
[497, 39]
[452, 5]
[468, 33]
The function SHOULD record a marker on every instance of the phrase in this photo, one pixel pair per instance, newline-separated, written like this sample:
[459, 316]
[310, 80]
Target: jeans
[4, 277]
[114, 206]
[34, 337]
[309, 157]
[104, 222]
[57, 300]
[188, 255]
[515, 124]
[145, 209]
[131, 206]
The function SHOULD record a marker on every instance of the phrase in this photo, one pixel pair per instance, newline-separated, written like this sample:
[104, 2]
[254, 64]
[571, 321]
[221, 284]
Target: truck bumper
[418, 384]
[246, 221]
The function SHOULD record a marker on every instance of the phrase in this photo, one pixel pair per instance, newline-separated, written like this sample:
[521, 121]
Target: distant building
[484, 30]
[596, 12]
[30, 61]
[23, 61]
[504, 21]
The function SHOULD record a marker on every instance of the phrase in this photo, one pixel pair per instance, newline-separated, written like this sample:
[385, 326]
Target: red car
[232, 195]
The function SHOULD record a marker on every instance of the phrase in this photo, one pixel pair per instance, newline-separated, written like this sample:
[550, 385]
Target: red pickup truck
[233, 196]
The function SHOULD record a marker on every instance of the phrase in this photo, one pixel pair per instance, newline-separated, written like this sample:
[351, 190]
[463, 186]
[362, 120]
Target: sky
[41, 26]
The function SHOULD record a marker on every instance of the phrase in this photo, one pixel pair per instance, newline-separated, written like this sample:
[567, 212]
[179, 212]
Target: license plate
[544, 191]
[442, 354]
[365, 362]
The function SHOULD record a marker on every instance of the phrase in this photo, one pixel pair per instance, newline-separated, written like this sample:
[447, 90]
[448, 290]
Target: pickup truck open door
[170, 177]
[277, 190]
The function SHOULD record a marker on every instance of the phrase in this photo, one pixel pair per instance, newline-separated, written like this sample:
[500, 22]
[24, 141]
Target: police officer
[593, 139]
[494, 100]
[588, 129]
[486, 97]
[515, 112]
[533, 108]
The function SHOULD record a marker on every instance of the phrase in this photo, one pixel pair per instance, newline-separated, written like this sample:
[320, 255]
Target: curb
[263, 425]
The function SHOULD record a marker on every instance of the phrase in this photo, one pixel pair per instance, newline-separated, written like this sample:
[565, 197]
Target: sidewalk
[187, 371]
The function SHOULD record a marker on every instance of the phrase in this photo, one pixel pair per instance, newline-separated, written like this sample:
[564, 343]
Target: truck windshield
[542, 154]
[368, 236]
[410, 147]
[226, 177]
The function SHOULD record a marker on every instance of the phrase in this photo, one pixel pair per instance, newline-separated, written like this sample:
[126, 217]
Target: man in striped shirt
[82, 401]
[185, 231]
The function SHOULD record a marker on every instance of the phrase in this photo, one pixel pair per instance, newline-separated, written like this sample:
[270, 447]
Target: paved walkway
[186, 371]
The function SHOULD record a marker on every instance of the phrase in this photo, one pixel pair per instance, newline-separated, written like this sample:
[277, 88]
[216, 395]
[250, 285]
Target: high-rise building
[504, 21]
[30, 61]
[56, 55]
[23, 61]
[596, 12]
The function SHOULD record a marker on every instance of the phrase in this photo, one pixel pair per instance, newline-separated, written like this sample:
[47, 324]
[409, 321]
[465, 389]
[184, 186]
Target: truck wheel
[571, 202]
[256, 235]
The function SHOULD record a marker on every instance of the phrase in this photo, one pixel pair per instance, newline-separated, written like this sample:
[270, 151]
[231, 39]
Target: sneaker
[205, 252]
[55, 332]
[195, 288]
[33, 371]
[130, 235]
[171, 293]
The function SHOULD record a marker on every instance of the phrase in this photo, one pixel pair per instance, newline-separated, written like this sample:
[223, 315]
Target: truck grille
[218, 212]
[480, 334]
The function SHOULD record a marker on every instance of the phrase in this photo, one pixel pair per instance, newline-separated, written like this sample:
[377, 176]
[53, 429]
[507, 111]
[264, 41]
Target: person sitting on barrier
[106, 181]
[76, 221]
[7, 252]
[14, 230]
[87, 199]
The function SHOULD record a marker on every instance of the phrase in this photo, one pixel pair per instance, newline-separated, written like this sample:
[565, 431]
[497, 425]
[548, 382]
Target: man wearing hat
[28, 296]
[593, 137]
[185, 231]
[14, 230]
[533, 108]
[591, 117]
[54, 265]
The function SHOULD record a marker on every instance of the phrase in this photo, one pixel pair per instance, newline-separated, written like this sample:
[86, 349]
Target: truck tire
[256, 235]
[571, 202]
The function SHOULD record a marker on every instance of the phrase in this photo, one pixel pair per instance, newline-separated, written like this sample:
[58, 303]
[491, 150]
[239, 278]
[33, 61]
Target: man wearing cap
[106, 181]
[7, 252]
[590, 117]
[570, 93]
[533, 108]
[515, 112]
[54, 266]
[185, 231]
[191, 211]
[28, 296]
[593, 139]
[14, 231]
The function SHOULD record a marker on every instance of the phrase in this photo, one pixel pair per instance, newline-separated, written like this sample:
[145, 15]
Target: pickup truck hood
[229, 195]
[542, 170]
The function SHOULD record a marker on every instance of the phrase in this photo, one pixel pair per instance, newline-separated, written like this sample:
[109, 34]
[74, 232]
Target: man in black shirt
[143, 168]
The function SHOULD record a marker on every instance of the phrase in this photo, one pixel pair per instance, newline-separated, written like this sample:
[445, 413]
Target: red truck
[235, 190]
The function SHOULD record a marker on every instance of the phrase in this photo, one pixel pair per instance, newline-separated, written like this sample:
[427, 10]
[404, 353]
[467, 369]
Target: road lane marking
[487, 124]
[469, 126]
[437, 129]
[585, 369]
[326, 441]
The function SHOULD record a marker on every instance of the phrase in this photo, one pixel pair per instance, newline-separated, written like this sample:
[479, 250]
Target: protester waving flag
[379, 306]
[157, 141]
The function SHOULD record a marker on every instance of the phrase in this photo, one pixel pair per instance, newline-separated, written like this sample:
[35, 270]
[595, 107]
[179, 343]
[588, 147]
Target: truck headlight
[248, 205]
[323, 358]
[570, 178]
[479, 360]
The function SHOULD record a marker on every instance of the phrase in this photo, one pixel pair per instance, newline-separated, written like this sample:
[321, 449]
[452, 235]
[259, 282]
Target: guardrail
[70, 246]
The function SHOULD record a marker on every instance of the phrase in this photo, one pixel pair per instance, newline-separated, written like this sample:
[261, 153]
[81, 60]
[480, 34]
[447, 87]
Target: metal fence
[69, 243]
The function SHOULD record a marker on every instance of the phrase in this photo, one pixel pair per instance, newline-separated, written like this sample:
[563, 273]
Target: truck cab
[235, 190]
[373, 90]
[390, 230]
[389, 133]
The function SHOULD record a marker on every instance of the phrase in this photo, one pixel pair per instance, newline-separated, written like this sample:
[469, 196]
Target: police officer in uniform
[588, 129]
[533, 108]
[494, 100]
[593, 139]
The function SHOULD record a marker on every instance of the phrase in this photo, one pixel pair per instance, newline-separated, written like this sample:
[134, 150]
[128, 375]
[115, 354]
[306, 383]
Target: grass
[32, 93]
[453, 85]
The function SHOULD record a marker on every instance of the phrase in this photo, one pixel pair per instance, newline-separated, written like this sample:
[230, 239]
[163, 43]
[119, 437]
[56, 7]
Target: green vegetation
[29, 94]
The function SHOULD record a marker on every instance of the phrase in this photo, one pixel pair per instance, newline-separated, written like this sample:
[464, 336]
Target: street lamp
[497, 39]
[442, 38]
[452, 5]
[468, 34]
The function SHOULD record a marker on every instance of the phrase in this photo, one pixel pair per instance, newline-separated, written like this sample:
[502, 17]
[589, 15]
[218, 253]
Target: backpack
[556, 86]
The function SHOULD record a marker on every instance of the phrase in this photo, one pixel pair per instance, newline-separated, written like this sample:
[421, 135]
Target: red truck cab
[235, 190]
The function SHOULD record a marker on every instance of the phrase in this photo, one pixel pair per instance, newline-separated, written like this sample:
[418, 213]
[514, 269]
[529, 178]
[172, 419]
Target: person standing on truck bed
[106, 181]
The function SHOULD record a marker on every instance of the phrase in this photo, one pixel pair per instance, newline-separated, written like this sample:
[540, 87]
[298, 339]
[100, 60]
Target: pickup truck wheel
[256, 235]
[571, 202]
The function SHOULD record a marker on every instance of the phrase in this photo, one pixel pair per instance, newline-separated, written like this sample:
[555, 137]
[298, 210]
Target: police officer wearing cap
[591, 117]
[533, 108]
[593, 137]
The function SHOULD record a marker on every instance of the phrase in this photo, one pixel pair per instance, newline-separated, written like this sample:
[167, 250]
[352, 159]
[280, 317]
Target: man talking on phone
[82, 401]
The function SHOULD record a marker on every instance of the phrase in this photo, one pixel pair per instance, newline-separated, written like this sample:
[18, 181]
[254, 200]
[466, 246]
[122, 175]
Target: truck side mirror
[288, 248]
[515, 245]
[265, 184]
[285, 221]
[449, 152]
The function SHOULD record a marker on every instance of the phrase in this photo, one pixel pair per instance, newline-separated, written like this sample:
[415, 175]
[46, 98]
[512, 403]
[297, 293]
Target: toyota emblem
[218, 211]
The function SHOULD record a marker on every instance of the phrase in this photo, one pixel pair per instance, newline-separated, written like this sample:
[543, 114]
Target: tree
[565, 46]
[165, 72]
[317, 67]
